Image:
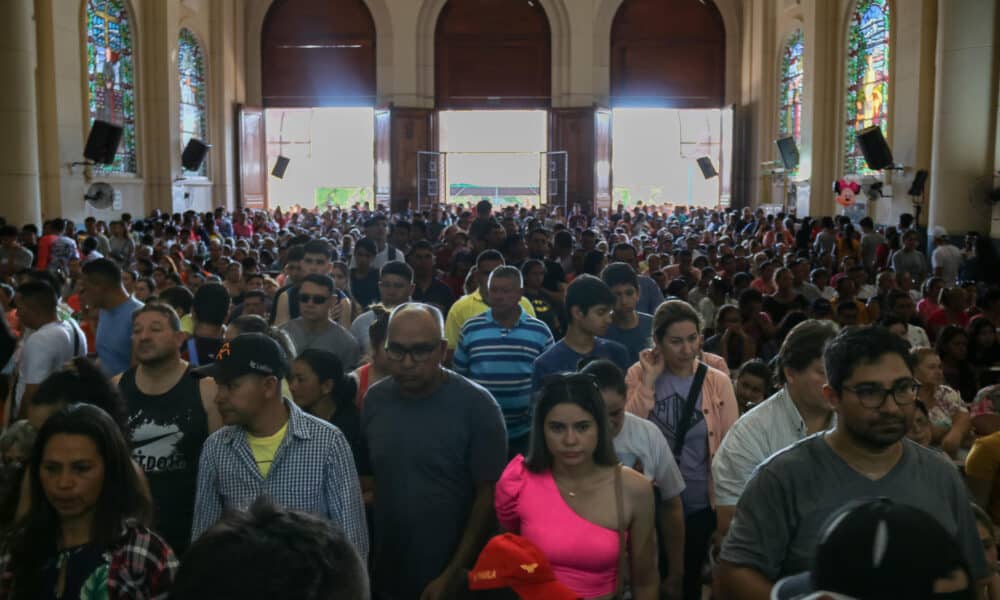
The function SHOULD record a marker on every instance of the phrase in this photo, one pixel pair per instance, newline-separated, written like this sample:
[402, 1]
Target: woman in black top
[321, 388]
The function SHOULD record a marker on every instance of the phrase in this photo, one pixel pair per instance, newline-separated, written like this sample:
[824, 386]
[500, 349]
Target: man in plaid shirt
[269, 447]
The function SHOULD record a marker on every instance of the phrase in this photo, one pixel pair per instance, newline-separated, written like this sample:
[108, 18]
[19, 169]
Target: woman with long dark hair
[84, 535]
[953, 348]
[322, 388]
[572, 499]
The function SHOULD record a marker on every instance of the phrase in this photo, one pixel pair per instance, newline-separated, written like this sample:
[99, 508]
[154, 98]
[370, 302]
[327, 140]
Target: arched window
[867, 97]
[111, 76]
[790, 93]
[193, 114]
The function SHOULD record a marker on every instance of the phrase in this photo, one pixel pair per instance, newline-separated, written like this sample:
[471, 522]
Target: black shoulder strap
[76, 340]
[689, 404]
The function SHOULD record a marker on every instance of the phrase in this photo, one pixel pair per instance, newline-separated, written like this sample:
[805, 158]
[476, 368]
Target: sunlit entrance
[656, 152]
[496, 155]
[330, 154]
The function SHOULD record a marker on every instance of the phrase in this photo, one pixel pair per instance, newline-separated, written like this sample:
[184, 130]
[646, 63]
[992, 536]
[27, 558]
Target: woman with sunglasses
[572, 499]
[694, 406]
[84, 535]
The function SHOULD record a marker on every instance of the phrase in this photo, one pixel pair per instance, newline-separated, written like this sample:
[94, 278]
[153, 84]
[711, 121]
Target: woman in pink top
[660, 389]
[563, 496]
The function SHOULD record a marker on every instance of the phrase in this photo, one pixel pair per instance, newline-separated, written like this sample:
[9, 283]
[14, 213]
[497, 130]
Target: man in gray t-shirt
[437, 445]
[315, 329]
[783, 509]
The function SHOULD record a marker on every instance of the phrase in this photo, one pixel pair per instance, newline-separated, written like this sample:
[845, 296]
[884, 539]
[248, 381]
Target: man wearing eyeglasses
[436, 444]
[315, 328]
[784, 506]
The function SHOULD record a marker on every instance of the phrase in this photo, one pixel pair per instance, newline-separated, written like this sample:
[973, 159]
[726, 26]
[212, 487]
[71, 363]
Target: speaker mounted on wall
[789, 152]
[102, 142]
[875, 149]
[194, 154]
[919, 181]
[707, 168]
[279, 167]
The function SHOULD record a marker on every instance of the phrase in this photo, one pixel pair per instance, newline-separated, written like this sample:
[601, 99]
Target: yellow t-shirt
[466, 307]
[264, 448]
[187, 324]
[983, 462]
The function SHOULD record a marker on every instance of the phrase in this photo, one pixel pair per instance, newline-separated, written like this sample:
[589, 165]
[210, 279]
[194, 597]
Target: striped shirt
[500, 360]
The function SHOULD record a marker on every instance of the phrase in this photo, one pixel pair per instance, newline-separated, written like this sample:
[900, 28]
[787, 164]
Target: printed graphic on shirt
[157, 447]
[666, 414]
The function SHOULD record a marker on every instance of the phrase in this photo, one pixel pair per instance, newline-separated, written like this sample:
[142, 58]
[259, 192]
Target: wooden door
[252, 158]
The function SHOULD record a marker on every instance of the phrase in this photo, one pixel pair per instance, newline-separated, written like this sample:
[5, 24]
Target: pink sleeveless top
[584, 555]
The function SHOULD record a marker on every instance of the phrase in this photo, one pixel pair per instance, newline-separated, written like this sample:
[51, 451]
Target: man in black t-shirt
[170, 415]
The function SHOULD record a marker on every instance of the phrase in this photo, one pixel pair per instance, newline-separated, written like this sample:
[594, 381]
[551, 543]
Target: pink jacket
[718, 405]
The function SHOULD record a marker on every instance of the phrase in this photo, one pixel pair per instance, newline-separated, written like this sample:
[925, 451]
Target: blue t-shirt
[560, 358]
[671, 394]
[114, 336]
[636, 339]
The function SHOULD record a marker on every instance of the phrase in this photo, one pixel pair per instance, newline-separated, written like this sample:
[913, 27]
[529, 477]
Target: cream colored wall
[62, 108]
[229, 31]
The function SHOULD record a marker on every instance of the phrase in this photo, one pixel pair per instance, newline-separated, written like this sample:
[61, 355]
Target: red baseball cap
[511, 561]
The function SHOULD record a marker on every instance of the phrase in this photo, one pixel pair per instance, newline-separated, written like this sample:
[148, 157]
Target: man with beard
[782, 510]
[170, 416]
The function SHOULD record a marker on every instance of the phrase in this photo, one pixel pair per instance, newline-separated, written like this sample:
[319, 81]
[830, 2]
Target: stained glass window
[191, 67]
[867, 98]
[111, 76]
[790, 94]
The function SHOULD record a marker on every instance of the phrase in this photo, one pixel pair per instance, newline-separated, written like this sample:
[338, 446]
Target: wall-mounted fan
[100, 195]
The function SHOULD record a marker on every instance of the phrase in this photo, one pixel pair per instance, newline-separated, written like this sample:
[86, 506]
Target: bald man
[437, 445]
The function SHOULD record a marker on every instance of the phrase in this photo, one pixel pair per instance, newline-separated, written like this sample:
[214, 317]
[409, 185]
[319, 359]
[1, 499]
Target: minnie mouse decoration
[846, 191]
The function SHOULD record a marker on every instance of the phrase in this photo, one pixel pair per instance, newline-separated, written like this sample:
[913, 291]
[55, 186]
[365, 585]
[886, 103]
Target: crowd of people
[464, 401]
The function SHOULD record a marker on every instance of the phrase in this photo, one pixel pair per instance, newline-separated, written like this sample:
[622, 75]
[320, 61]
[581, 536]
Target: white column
[964, 104]
[18, 120]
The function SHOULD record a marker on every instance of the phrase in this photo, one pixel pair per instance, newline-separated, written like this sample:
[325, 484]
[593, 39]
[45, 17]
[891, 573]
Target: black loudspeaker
[789, 152]
[874, 148]
[707, 168]
[102, 142]
[919, 180]
[279, 166]
[194, 154]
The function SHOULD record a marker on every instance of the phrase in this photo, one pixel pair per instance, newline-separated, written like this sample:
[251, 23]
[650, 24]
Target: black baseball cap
[877, 548]
[247, 353]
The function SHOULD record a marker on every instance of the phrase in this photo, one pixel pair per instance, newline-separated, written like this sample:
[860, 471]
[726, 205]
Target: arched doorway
[493, 89]
[667, 92]
[318, 84]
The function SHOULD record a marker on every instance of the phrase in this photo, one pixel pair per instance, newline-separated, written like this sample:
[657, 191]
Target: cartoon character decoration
[846, 191]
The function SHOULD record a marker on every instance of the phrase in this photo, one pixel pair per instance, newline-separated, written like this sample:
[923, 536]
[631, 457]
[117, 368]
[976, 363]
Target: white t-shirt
[640, 441]
[45, 351]
[949, 259]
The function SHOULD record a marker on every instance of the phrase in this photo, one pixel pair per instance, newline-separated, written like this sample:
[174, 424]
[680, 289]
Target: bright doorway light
[493, 154]
[331, 152]
[656, 152]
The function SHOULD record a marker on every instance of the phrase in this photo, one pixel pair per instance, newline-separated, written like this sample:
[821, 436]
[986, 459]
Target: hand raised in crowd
[652, 365]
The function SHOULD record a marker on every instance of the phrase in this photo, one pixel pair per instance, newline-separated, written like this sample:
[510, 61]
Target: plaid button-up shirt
[313, 471]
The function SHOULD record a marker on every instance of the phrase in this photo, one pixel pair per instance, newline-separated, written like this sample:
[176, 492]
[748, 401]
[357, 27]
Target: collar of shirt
[296, 426]
[783, 401]
[520, 319]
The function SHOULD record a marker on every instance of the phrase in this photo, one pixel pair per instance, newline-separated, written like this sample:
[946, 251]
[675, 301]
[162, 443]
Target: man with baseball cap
[268, 446]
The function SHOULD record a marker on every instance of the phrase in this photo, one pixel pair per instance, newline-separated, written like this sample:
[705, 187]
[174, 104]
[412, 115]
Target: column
[964, 105]
[18, 120]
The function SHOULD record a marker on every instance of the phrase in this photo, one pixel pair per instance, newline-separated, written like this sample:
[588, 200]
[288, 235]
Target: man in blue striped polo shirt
[498, 348]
